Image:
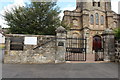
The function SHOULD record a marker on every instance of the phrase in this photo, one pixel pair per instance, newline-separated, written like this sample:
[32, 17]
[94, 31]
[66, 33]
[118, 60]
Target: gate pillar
[108, 45]
[60, 45]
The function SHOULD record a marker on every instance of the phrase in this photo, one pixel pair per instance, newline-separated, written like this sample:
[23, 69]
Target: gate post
[60, 44]
[108, 45]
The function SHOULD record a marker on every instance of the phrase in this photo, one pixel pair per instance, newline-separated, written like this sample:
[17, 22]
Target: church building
[90, 19]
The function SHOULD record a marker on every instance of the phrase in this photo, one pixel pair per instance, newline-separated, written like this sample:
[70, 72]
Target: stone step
[90, 57]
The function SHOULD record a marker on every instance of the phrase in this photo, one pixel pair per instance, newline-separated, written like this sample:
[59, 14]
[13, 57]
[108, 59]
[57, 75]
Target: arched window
[92, 19]
[94, 3]
[102, 20]
[98, 4]
[97, 18]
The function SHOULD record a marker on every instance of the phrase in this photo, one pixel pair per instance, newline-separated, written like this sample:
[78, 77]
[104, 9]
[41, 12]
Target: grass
[2, 46]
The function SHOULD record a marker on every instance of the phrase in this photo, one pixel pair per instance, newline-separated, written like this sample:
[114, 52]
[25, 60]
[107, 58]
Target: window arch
[102, 20]
[97, 18]
[75, 35]
[92, 19]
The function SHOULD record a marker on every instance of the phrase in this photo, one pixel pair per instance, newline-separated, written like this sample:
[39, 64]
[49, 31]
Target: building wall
[82, 14]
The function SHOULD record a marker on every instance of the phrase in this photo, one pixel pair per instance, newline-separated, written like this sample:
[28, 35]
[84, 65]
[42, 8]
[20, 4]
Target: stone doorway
[97, 48]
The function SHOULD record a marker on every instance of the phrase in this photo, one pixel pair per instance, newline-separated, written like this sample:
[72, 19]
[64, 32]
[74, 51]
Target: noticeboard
[30, 41]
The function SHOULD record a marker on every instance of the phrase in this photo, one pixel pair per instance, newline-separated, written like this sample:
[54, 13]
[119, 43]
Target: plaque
[30, 41]
[60, 44]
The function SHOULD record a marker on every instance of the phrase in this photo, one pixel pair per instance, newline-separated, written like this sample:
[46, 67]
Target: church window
[97, 18]
[93, 3]
[92, 19]
[102, 20]
[98, 4]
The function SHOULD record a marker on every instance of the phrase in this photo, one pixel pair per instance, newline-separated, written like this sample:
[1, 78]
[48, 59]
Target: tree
[117, 32]
[36, 18]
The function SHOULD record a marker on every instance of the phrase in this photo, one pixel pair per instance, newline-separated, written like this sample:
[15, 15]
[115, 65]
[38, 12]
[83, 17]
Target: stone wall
[43, 52]
[51, 49]
[117, 50]
[109, 45]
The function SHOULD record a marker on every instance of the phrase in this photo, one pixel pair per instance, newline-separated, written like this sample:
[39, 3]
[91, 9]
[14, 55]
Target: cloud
[115, 6]
[70, 8]
[9, 8]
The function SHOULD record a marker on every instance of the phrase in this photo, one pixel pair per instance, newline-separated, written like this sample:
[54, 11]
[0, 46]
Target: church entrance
[75, 49]
[97, 48]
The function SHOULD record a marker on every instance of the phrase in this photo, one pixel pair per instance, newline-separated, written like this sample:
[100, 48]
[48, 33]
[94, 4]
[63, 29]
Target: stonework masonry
[42, 54]
[49, 49]
[117, 50]
[35, 49]
[79, 20]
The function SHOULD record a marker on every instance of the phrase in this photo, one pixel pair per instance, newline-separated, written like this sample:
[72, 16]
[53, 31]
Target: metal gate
[75, 49]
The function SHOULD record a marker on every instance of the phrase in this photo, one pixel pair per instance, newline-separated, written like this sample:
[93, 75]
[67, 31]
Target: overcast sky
[63, 4]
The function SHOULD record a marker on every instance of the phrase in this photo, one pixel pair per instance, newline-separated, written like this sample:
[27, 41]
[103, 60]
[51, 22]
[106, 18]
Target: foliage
[65, 25]
[117, 32]
[36, 18]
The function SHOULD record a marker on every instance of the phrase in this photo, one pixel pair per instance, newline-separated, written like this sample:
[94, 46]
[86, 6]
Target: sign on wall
[2, 38]
[30, 41]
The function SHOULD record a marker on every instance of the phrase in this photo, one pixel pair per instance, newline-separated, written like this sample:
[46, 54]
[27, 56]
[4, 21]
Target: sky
[63, 4]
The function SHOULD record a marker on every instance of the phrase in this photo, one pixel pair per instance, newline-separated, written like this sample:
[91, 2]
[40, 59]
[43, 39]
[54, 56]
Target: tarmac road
[68, 70]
